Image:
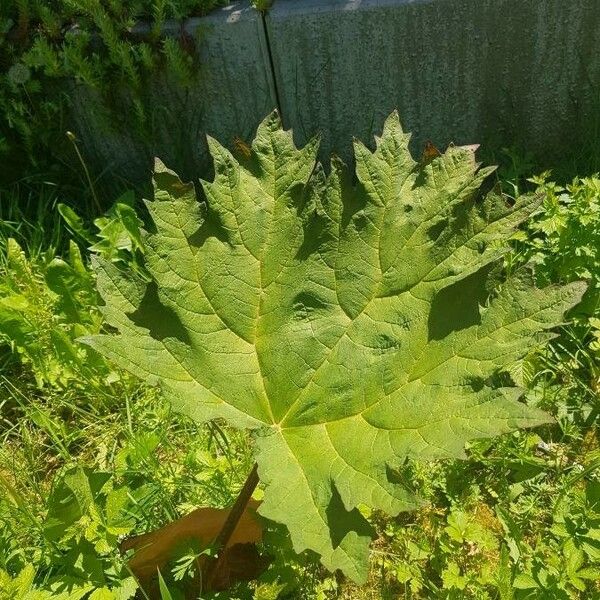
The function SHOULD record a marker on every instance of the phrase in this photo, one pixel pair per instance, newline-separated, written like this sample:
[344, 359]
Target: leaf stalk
[211, 565]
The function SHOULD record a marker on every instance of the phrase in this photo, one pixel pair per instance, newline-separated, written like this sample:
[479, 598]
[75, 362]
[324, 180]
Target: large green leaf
[349, 325]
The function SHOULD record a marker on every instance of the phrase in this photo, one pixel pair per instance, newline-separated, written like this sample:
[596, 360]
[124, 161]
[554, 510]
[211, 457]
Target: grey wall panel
[460, 71]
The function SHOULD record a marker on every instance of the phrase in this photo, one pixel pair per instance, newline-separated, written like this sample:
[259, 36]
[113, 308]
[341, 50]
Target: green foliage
[66, 518]
[42, 312]
[331, 318]
[91, 42]
[564, 236]
[495, 526]
[46, 303]
[518, 518]
[262, 5]
[74, 477]
[74, 480]
[563, 242]
[118, 236]
[27, 214]
[86, 514]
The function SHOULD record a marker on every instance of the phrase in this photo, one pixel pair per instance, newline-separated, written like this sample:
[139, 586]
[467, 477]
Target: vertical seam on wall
[263, 17]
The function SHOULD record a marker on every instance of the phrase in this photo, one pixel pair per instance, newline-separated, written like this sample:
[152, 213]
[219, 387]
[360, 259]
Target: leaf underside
[349, 324]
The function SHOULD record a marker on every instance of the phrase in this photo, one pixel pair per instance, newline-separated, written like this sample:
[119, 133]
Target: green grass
[88, 456]
[28, 214]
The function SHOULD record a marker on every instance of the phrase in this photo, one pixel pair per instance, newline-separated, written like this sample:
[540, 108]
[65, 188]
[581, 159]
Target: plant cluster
[564, 238]
[328, 317]
[92, 43]
[47, 304]
[563, 241]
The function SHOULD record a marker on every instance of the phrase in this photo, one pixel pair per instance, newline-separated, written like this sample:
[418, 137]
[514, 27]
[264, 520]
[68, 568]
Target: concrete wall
[460, 71]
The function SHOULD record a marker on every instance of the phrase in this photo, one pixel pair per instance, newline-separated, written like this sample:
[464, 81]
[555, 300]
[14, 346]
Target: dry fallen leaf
[241, 559]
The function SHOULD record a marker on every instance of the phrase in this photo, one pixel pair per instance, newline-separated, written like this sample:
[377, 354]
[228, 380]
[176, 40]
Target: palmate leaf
[349, 325]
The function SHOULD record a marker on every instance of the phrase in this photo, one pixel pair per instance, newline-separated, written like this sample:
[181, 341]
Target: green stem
[73, 140]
